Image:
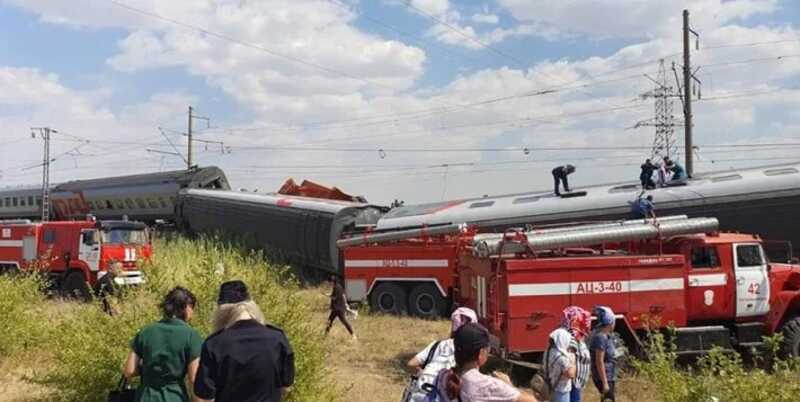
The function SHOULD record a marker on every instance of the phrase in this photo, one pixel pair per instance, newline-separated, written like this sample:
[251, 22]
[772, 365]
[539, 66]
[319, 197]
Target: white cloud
[481, 18]
[633, 18]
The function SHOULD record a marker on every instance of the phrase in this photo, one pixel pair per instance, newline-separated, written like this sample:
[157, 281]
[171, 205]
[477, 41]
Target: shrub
[90, 347]
[21, 323]
[720, 375]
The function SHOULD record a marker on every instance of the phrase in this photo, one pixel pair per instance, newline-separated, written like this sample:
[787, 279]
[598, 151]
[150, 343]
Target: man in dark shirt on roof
[560, 175]
[246, 360]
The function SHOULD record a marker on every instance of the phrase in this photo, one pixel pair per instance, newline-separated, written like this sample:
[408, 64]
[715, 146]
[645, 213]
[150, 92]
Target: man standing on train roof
[560, 175]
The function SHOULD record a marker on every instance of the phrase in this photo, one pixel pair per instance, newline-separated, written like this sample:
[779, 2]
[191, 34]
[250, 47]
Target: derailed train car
[299, 229]
[147, 197]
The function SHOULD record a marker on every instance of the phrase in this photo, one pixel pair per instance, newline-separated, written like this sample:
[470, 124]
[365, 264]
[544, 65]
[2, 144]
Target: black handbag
[123, 393]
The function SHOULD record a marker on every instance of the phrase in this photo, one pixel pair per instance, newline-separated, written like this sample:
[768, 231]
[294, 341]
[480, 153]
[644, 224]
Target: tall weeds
[86, 347]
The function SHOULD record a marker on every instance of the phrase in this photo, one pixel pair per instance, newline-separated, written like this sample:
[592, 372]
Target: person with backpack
[436, 356]
[602, 351]
[464, 382]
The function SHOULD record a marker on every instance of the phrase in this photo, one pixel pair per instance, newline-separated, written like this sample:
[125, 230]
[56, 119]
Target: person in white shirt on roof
[439, 355]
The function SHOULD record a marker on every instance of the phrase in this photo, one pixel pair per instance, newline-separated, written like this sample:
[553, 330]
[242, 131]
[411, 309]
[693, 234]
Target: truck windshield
[124, 236]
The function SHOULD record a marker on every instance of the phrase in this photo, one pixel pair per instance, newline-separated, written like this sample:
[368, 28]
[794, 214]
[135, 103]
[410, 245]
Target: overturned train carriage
[301, 230]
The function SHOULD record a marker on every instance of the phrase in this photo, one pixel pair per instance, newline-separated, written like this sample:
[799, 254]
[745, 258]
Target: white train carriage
[762, 200]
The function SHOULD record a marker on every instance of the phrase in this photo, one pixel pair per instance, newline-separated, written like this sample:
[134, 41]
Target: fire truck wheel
[791, 337]
[76, 287]
[426, 301]
[388, 298]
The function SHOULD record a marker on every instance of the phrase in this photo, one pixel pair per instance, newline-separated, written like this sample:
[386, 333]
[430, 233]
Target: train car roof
[286, 201]
[753, 183]
[182, 177]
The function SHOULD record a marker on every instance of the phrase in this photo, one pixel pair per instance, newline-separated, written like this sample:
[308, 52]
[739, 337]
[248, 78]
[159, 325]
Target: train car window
[778, 172]
[30, 200]
[749, 255]
[625, 188]
[705, 257]
[726, 178]
[15, 201]
[91, 204]
[525, 200]
[129, 203]
[38, 201]
[152, 203]
[140, 203]
[49, 236]
[163, 203]
[481, 204]
[119, 204]
[173, 200]
[22, 201]
[8, 201]
[108, 203]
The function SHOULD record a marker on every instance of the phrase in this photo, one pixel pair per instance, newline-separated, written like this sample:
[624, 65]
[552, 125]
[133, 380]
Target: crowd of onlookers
[448, 370]
[246, 359]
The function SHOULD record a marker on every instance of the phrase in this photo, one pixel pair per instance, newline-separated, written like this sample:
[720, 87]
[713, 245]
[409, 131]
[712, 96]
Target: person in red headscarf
[576, 322]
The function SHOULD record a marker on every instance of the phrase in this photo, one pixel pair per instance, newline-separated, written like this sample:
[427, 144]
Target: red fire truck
[76, 255]
[715, 289]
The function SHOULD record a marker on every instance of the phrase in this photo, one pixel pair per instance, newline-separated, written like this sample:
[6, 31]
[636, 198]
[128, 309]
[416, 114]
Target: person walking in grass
[438, 355]
[166, 352]
[338, 306]
[245, 359]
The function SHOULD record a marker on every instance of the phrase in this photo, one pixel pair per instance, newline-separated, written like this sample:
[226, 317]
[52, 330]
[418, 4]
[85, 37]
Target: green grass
[85, 347]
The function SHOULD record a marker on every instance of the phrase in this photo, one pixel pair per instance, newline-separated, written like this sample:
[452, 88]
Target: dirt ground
[370, 369]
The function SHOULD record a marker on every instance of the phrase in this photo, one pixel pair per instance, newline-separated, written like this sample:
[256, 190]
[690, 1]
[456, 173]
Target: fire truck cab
[715, 289]
[76, 255]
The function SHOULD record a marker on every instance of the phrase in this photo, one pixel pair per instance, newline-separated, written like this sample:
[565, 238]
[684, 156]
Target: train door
[752, 280]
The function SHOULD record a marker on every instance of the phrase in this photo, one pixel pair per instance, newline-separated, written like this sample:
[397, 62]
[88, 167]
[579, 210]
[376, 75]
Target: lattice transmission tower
[664, 121]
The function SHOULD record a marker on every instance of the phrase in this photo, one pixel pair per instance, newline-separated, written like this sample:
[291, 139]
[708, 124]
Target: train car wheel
[426, 301]
[76, 287]
[388, 298]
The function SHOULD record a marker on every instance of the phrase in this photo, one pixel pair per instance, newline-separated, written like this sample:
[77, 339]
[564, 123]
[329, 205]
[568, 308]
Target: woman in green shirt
[166, 352]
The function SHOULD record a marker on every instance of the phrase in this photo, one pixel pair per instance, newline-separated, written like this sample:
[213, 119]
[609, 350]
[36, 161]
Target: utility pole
[44, 132]
[189, 135]
[688, 76]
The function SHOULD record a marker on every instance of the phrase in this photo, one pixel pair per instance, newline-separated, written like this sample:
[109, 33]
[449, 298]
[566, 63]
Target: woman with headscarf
[438, 355]
[561, 362]
[578, 322]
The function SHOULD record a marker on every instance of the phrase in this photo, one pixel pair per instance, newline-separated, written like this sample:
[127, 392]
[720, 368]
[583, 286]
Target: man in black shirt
[338, 307]
[246, 361]
[646, 176]
[560, 176]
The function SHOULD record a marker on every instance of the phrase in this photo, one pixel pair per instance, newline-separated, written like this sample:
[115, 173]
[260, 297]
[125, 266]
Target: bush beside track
[84, 347]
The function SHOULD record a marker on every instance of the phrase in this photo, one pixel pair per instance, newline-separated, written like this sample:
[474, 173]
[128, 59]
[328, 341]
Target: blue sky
[105, 74]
